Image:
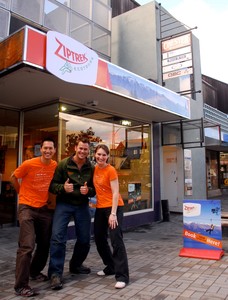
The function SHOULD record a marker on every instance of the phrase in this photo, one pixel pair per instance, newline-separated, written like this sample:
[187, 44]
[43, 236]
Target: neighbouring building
[167, 52]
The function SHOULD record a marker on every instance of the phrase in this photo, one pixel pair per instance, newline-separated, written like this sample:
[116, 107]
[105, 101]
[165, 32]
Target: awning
[25, 83]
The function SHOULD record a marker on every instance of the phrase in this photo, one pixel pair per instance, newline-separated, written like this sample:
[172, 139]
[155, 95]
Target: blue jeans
[82, 220]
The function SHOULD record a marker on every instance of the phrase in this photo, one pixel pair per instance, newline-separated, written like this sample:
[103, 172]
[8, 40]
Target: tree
[72, 139]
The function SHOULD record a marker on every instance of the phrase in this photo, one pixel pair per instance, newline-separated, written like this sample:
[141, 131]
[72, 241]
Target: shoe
[56, 282]
[105, 272]
[26, 292]
[40, 277]
[120, 285]
[101, 273]
[80, 270]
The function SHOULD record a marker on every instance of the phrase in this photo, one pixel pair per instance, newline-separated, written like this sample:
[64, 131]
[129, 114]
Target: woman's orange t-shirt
[101, 181]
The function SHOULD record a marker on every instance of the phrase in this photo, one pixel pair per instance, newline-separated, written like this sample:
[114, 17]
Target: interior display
[223, 171]
[2, 158]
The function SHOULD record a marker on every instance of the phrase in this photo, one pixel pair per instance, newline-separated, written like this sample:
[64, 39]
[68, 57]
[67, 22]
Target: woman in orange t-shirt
[109, 216]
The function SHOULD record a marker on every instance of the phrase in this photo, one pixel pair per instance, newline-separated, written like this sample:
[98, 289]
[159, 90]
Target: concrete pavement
[156, 269]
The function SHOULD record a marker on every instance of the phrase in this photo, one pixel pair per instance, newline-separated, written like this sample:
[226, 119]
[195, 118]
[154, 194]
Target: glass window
[35, 130]
[102, 14]
[130, 150]
[32, 9]
[9, 124]
[101, 41]
[80, 29]
[16, 24]
[212, 170]
[83, 7]
[4, 23]
[5, 3]
[223, 173]
[106, 2]
[64, 2]
[56, 17]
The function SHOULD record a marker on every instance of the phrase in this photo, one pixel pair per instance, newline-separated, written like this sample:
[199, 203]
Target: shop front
[112, 106]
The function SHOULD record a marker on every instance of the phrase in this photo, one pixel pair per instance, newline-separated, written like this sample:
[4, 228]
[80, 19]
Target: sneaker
[101, 273]
[80, 270]
[120, 285]
[40, 277]
[106, 272]
[26, 292]
[56, 282]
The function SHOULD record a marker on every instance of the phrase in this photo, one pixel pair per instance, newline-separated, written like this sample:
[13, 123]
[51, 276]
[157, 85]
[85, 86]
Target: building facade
[167, 52]
[134, 111]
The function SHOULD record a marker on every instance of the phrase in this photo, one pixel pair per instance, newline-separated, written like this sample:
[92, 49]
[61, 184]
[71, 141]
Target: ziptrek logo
[71, 57]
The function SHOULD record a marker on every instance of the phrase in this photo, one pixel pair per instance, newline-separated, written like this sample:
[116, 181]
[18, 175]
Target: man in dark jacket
[73, 185]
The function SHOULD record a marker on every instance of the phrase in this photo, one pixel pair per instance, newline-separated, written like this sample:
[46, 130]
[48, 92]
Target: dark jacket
[68, 169]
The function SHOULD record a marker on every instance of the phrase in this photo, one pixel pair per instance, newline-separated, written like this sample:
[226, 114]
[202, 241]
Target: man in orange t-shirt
[34, 217]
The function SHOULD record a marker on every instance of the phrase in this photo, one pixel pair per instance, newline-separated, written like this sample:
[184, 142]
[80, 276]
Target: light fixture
[63, 108]
[125, 123]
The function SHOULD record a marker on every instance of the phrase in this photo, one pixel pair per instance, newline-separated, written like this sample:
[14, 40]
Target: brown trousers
[35, 230]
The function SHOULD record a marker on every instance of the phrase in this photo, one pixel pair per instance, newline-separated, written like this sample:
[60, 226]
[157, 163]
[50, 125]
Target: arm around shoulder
[15, 183]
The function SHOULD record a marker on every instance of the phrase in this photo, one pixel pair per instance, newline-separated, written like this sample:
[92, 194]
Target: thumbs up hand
[84, 189]
[68, 187]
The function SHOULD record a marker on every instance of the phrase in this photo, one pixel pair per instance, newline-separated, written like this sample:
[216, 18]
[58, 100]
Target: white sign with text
[70, 60]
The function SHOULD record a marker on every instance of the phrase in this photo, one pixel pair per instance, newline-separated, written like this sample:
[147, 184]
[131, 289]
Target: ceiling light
[125, 123]
[63, 108]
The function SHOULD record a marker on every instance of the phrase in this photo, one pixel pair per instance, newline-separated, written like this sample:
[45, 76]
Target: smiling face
[101, 155]
[47, 150]
[82, 151]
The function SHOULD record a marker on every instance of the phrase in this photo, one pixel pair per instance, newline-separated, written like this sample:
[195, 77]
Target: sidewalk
[156, 269]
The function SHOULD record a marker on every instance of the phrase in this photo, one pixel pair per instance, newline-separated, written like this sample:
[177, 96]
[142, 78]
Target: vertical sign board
[202, 233]
[177, 56]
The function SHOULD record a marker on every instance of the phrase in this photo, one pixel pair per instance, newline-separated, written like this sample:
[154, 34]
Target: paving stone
[157, 272]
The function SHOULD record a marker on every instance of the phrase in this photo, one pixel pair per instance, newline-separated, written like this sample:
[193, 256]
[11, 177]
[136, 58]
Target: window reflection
[56, 17]
[129, 153]
[9, 122]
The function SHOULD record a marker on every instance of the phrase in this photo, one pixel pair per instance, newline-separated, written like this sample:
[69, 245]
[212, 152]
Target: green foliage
[72, 139]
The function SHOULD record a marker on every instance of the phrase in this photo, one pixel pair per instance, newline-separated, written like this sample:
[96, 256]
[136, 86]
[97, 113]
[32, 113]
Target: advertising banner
[202, 232]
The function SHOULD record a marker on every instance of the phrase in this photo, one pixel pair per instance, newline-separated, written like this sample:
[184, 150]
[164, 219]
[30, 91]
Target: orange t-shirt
[101, 181]
[36, 178]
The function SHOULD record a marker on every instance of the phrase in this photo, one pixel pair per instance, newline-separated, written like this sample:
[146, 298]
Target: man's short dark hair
[83, 139]
[48, 139]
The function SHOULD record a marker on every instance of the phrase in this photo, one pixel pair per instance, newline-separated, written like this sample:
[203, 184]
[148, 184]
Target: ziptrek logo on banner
[71, 57]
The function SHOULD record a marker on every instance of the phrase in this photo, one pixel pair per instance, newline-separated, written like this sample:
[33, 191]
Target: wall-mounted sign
[178, 73]
[177, 66]
[70, 60]
[176, 43]
[177, 57]
[176, 52]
